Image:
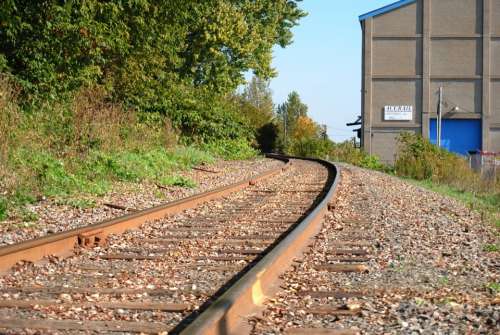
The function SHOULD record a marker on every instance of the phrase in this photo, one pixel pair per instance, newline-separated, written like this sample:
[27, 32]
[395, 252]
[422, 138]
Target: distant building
[411, 48]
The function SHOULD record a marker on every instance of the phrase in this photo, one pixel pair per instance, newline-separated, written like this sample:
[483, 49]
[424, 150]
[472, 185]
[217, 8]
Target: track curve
[188, 272]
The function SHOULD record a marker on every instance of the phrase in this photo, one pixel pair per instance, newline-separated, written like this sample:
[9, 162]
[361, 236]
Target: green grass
[80, 203]
[493, 287]
[3, 208]
[178, 181]
[70, 180]
[491, 248]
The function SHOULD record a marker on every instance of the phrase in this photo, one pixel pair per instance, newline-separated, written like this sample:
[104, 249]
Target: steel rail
[226, 315]
[64, 243]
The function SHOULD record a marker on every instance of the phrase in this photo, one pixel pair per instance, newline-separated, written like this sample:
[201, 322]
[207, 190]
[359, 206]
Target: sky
[324, 63]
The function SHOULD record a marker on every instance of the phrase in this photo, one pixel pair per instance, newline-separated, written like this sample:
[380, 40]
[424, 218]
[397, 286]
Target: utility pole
[439, 117]
[285, 125]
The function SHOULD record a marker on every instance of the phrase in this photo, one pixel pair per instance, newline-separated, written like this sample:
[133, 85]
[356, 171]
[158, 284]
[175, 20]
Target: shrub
[310, 147]
[419, 159]
[346, 152]
[231, 149]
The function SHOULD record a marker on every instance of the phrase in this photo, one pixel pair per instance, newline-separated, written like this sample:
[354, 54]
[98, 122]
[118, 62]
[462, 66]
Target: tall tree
[258, 96]
[141, 48]
[290, 111]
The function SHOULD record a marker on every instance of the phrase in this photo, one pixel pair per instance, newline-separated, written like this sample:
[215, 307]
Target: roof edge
[385, 9]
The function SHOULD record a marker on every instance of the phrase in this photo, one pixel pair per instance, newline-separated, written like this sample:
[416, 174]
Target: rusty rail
[247, 295]
[63, 243]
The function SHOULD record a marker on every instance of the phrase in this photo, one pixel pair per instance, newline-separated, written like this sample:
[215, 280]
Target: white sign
[398, 113]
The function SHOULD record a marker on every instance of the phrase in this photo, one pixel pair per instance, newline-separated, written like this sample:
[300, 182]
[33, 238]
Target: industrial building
[414, 48]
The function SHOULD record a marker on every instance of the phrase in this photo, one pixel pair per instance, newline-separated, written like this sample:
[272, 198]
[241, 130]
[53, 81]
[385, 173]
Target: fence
[486, 163]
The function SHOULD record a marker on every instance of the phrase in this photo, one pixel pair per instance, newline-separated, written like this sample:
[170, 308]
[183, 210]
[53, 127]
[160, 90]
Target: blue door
[458, 135]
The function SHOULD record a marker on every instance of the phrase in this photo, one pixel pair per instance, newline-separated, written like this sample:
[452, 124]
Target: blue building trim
[385, 9]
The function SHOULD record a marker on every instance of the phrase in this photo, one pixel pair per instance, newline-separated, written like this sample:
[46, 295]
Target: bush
[346, 152]
[310, 147]
[231, 149]
[419, 159]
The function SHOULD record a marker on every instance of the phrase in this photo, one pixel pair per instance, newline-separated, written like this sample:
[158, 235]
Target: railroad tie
[332, 294]
[224, 258]
[342, 267]
[334, 311]
[93, 290]
[357, 252]
[100, 326]
[320, 331]
[146, 305]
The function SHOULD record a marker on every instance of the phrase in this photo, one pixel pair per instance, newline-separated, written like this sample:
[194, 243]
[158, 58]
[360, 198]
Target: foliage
[257, 102]
[231, 149]
[268, 138]
[257, 107]
[346, 152]
[305, 128]
[289, 112]
[140, 47]
[3, 208]
[179, 181]
[491, 247]
[310, 147]
[419, 159]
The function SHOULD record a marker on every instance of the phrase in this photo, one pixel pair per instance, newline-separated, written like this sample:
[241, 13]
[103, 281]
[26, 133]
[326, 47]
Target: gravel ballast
[428, 271]
[53, 217]
[185, 259]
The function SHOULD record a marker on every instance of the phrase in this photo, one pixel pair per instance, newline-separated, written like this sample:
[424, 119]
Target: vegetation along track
[196, 271]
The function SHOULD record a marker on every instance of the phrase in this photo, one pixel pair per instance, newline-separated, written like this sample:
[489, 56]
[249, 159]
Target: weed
[159, 194]
[178, 181]
[28, 215]
[3, 208]
[77, 203]
[494, 288]
[444, 280]
[491, 248]
[419, 301]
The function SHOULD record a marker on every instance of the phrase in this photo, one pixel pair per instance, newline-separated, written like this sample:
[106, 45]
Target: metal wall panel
[465, 94]
[403, 21]
[456, 57]
[495, 140]
[495, 102]
[495, 57]
[457, 17]
[495, 16]
[397, 57]
[385, 144]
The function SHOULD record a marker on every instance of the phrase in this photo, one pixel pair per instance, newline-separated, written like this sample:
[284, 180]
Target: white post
[439, 117]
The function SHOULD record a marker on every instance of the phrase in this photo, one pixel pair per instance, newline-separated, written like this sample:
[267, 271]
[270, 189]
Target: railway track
[196, 267]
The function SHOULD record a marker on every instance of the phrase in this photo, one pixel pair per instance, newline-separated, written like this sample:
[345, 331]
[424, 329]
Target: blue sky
[324, 63]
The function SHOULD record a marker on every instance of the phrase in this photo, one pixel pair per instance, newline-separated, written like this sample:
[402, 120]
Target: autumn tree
[305, 127]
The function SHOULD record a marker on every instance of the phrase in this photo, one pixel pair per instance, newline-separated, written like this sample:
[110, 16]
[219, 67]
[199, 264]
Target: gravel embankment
[428, 271]
[53, 217]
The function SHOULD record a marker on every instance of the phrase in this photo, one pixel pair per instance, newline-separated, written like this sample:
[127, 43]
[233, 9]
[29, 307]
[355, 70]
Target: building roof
[385, 9]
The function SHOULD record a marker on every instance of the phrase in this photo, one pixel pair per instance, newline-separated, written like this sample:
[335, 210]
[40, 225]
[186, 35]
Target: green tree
[257, 101]
[288, 114]
[141, 47]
